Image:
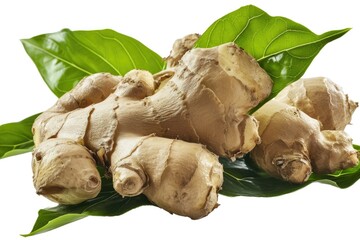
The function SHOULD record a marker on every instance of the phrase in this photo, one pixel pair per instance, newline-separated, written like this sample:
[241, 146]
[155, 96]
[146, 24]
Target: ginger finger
[295, 144]
[65, 172]
[183, 178]
[322, 99]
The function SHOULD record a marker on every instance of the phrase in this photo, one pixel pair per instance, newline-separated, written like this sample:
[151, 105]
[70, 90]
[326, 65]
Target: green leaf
[107, 203]
[357, 147]
[64, 58]
[16, 138]
[282, 47]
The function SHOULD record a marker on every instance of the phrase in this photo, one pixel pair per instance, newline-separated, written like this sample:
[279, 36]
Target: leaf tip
[25, 235]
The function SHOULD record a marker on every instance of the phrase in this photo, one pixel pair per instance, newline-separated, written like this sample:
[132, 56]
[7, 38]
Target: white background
[318, 210]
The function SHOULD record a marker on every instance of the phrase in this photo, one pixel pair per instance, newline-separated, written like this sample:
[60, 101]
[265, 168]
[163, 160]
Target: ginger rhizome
[302, 131]
[162, 140]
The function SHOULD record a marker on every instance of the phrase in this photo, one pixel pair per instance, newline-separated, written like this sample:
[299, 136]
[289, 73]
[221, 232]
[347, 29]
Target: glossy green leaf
[16, 138]
[282, 47]
[64, 58]
[107, 203]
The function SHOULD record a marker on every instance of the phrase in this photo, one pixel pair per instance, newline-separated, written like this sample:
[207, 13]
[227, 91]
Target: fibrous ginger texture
[162, 141]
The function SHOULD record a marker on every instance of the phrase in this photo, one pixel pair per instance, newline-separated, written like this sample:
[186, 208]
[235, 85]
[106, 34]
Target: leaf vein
[123, 46]
[59, 58]
[246, 26]
[96, 53]
[298, 46]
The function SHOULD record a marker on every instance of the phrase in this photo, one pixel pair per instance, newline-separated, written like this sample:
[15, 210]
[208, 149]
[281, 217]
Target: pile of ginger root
[161, 134]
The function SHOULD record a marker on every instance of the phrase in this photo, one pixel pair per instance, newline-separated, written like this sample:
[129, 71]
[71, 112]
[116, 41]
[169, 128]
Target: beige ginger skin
[301, 131]
[162, 141]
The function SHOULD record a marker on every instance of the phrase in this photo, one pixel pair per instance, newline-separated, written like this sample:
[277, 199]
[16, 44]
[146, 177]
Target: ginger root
[301, 131]
[159, 140]
[180, 47]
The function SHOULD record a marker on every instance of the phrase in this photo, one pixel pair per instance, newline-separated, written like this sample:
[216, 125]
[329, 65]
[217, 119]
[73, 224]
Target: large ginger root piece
[302, 131]
[160, 141]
